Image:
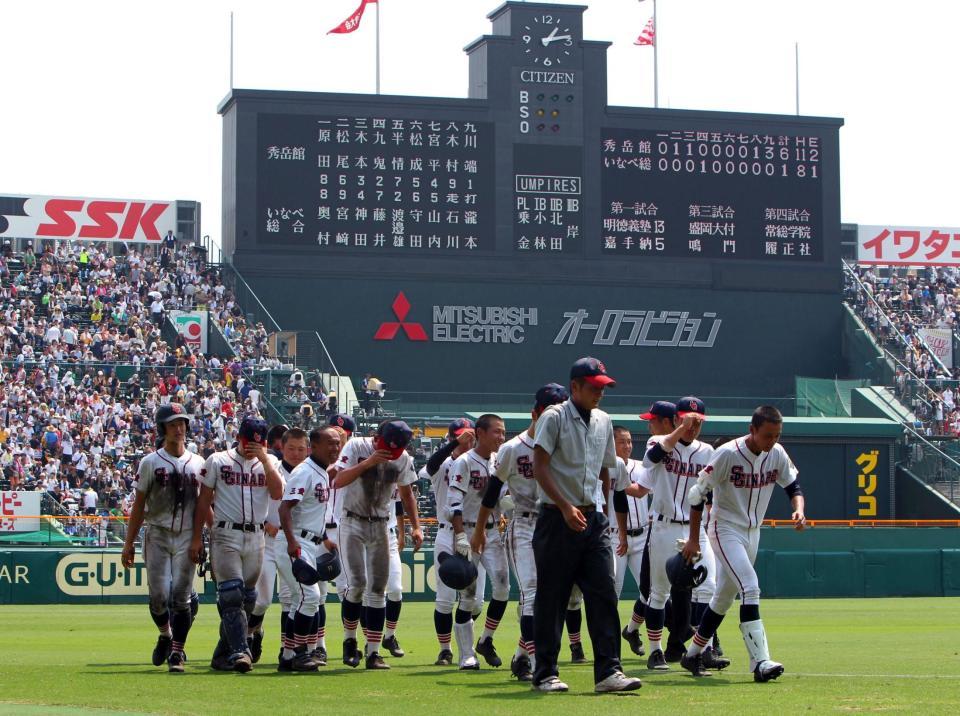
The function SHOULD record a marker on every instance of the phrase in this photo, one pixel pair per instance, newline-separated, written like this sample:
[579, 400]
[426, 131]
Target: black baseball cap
[342, 420]
[457, 426]
[660, 409]
[690, 404]
[551, 394]
[594, 371]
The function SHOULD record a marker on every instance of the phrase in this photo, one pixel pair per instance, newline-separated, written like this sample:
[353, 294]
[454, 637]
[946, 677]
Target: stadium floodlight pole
[656, 43]
[231, 49]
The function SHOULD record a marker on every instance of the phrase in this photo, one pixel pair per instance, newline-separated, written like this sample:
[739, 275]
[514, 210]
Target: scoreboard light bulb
[541, 96]
[540, 112]
[569, 98]
[555, 97]
[555, 113]
[540, 127]
[555, 128]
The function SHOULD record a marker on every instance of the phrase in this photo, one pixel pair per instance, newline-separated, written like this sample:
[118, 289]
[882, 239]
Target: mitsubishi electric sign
[650, 328]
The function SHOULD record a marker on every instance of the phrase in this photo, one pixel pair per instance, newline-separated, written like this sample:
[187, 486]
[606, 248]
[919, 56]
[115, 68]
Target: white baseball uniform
[468, 477]
[240, 509]
[669, 480]
[514, 468]
[309, 487]
[272, 554]
[637, 523]
[170, 486]
[364, 536]
[742, 483]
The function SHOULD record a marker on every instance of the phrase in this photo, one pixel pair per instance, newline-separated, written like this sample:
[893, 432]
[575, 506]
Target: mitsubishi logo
[388, 329]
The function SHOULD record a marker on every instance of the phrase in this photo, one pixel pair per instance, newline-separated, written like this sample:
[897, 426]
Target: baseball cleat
[241, 662]
[521, 668]
[712, 660]
[674, 652]
[285, 665]
[694, 664]
[221, 662]
[161, 652]
[175, 662]
[319, 655]
[633, 639]
[617, 682]
[351, 654]
[303, 661]
[576, 654]
[444, 658]
[375, 661]
[470, 663]
[486, 649]
[393, 646]
[550, 685]
[767, 671]
[256, 645]
[656, 662]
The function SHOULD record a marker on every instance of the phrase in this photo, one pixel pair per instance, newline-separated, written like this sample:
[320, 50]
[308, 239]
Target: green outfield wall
[819, 562]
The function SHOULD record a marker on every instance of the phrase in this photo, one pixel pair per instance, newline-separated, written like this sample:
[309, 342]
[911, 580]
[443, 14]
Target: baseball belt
[241, 526]
[635, 533]
[490, 525]
[312, 536]
[366, 518]
[661, 518]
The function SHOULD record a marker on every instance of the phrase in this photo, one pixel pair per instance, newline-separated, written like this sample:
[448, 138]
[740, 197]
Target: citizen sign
[53, 217]
[624, 327]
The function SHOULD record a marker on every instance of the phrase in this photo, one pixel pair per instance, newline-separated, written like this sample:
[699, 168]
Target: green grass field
[841, 656]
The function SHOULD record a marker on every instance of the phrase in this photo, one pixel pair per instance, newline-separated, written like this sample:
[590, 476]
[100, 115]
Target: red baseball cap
[594, 371]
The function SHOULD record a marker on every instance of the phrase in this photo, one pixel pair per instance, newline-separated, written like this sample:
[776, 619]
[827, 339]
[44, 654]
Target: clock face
[547, 40]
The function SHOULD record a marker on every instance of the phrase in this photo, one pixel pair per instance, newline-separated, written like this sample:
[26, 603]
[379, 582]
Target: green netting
[825, 397]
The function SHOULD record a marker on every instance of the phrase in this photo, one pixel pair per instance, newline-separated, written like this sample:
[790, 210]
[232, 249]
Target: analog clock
[547, 40]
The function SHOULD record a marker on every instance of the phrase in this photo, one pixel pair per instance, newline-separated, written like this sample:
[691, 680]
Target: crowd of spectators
[84, 363]
[895, 305]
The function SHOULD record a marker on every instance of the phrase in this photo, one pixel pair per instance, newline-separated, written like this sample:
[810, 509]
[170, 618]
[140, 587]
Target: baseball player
[243, 479]
[514, 468]
[367, 471]
[631, 543]
[293, 447]
[303, 519]
[395, 579]
[469, 477]
[672, 463]
[460, 438]
[167, 484]
[741, 475]
[345, 427]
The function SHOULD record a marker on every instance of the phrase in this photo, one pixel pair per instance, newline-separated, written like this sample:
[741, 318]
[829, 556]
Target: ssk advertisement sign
[59, 217]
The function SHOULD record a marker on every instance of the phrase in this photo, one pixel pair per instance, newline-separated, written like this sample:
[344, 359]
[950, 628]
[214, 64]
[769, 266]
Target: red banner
[352, 22]
[648, 36]
[908, 245]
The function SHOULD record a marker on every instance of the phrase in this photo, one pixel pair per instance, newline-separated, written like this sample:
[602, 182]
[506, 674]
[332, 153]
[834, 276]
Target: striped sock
[489, 628]
[636, 621]
[521, 648]
[177, 646]
[654, 636]
[574, 637]
[350, 628]
[322, 637]
[444, 640]
[698, 644]
[373, 641]
[391, 628]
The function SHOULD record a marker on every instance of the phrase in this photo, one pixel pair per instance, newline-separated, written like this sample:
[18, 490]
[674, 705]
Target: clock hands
[553, 37]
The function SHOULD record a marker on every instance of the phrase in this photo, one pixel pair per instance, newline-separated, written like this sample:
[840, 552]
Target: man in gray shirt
[573, 453]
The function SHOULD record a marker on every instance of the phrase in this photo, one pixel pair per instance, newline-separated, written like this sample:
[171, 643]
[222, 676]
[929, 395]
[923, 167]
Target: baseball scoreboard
[531, 180]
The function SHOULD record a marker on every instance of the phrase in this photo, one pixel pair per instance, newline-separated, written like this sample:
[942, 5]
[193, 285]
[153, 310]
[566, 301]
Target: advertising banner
[19, 511]
[57, 217]
[908, 245]
[192, 325]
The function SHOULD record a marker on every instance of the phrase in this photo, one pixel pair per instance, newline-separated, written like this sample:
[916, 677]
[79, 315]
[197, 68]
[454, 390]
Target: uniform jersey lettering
[753, 480]
[525, 467]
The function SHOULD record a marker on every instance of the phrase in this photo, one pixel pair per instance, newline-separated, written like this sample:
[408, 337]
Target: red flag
[352, 22]
[648, 36]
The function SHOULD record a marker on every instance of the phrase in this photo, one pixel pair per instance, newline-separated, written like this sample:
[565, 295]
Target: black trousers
[565, 558]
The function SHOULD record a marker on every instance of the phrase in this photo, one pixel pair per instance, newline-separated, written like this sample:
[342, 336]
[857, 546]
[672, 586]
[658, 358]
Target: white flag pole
[378, 44]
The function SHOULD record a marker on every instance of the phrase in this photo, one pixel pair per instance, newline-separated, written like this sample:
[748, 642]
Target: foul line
[878, 676]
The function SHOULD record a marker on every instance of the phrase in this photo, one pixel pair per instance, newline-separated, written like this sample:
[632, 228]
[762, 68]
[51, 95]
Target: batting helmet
[456, 571]
[684, 575]
[328, 566]
[253, 429]
[167, 413]
[304, 572]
